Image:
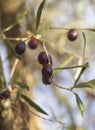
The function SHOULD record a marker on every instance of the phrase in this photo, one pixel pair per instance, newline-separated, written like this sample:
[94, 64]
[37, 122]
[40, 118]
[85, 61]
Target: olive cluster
[46, 61]
[43, 58]
[21, 46]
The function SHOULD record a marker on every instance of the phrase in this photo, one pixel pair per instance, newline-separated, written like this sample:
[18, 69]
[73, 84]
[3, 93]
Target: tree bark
[14, 114]
[8, 12]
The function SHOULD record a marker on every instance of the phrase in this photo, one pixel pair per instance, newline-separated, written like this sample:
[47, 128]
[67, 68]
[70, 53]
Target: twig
[21, 38]
[46, 118]
[68, 89]
[14, 67]
[65, 28]
[69, 67]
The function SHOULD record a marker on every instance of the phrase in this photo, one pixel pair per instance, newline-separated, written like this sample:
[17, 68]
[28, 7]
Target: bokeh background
[60, 104]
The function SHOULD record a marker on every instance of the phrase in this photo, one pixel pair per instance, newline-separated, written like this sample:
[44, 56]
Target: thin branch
[14, 67]
[69, 67]
[21, 38]
[68, 89]
[46, 118]
[65, 28]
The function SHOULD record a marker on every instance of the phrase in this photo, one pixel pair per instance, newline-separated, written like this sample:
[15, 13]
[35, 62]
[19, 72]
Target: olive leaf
[91, 29]
[12, 48]
[84, 37]
[80, 104]
[23, 85]
[79, 72]
[89, 84]
[2, 90]
[64, 63]
[2, 81]
[17, 20]
[86, 65]
[32, 104]
[39, 12]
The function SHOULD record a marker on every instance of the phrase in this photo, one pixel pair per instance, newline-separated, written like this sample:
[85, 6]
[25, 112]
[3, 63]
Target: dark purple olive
[20, 48]
[72, 35]
[33, 43]
[47, 70]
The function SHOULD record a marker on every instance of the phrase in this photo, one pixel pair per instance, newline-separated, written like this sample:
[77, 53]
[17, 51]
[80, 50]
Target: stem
[71, 67]
[65, 28]
[21, 39]
[46, 118]
[17, 38]
[68, 89]
[14, 67]
[44, 46]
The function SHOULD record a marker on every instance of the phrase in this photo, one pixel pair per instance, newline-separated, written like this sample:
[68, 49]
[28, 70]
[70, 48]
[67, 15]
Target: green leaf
[39, 12]
[32, 104]
[2, 81]
[55, 71]
[2, 90]
[80, 104]
[16, 21]
[81, 72]
[77, 72]
[23, 85]
[89, 84]
[12, 48]
[84, 47]
[93, 30]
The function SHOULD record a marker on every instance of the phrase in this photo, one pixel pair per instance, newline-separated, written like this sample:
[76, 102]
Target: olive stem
[44, 46]
[64, 28]
[14, 67]
[21, 39]
[69, 67]
[46, 118]
[68, 89]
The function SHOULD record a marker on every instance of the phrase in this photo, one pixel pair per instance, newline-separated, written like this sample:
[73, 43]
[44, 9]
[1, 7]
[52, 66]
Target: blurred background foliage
[60, 104]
